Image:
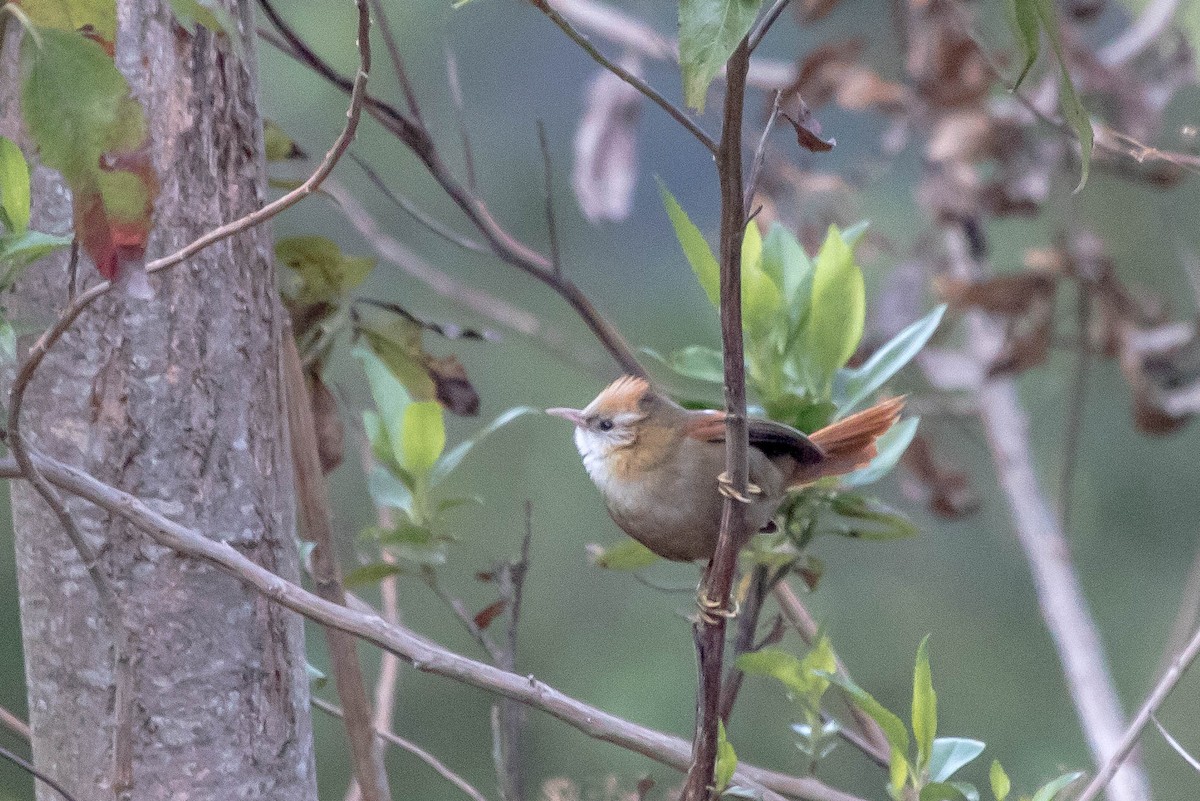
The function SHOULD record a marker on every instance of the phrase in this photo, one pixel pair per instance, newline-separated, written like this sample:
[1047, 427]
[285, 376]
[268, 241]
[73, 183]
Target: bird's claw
[711, 610]
[725, 487]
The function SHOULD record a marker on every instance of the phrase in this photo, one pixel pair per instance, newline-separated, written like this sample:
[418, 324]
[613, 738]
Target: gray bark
[177, 400]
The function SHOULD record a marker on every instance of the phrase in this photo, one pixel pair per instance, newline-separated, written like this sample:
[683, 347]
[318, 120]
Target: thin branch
[465, 617]
[1151, 24]
[1178, 746]
[421, 653]
[312, 495]
[709, 634]
[873, 741]
[676, 113]
[1060, 597]
[760, 152]
[408, 745]
[411, 209]
[551, 223]
[15, 724]
[743, 643]
[464, 133]
[1186, 619]
[764, 24]
[389, 41]
[1149, 707]
[28, 767]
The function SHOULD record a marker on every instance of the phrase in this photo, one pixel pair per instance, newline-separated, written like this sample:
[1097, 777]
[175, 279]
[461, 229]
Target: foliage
[709, 31]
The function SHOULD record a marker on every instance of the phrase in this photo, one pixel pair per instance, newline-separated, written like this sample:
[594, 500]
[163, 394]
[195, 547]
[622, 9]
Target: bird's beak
[574, 415]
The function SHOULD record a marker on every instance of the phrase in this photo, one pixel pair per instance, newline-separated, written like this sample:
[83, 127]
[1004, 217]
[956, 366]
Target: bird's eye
[605, 425]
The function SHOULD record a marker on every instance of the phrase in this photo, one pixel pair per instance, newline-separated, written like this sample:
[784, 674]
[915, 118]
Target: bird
[660, 467]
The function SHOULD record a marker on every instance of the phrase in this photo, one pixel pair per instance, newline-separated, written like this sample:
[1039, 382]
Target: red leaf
[489, 613]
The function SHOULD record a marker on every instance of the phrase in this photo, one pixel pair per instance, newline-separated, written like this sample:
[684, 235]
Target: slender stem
[420, 753]
[678, 114]
[389, 41]
[464, 133]
[28, 767]
[709, 634]
[764, 24]
[551, 222]
[15, 724]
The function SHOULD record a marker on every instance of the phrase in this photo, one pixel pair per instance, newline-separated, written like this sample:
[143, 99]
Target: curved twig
[28, 767]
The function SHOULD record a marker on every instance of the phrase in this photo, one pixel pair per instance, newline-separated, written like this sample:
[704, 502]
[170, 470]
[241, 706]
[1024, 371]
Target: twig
[456, 96]
[764, 24]
[1152, 23]
[411, 209]
[743, 642]
[312, 496]
[873, 741]
[678, 114]
[551, 223]
[464, 616]
[1159, 694]
[505, 246]
[1186, 619]
[418, 651]
[1060, 598]
[1179, 749]
[760, 152]
[420, 753]
[389, 41]
[709, 635]
[28, 767]
[14, 723]
[510, 717]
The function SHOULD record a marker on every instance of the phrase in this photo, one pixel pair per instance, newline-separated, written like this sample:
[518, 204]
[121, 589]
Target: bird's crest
[625, 394]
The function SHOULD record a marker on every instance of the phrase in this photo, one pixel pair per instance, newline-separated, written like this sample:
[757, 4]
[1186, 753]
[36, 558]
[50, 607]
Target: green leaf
[967, 789]
[1068, 101]
[326, 274]
[99, 16]
[190, 13]
[277, 144]
[761, 298]
[1024, 18]
[14, 187]
[316, 679]
[852, 386]
[940, 791]
[898, 771]
[391, 399]
[700, 363]
[422, 436]
[854, 234]
[1050, 789]
[924, 706]
[872, 519]
[372, 573]
[709, 31]
[786, 263]
[837, 311]
[389, 491]
[8, 340]
[404, 533]
[695, 247]
[455, 455]
[891, 447]
[951, 753]
[781, 665]
[892, 726]
[18, 251]
[726, 760]
[625, 555]
[1000, 782]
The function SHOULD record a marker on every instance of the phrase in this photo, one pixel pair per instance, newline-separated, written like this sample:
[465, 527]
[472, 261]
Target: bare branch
[551, 223]
[1151, 24]
[760, 153]
[28, 767]
[389, 41]
[421, 653]
[1175, 744]
[420, 753]
[676, 113]
[457, 96]
[764, 24]
[1060, 598]
[15, 724]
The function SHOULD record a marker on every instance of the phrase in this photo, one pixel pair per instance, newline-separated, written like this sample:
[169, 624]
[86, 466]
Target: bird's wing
[773, 439]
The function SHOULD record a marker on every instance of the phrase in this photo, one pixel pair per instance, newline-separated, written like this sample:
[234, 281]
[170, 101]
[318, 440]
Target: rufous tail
[849, 444]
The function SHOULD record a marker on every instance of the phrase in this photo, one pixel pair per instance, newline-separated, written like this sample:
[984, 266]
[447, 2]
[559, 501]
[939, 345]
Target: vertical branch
[509, 722]
[312, 496]
[709, 634]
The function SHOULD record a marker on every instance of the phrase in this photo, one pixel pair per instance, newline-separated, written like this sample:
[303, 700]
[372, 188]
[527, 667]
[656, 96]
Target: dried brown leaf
[806, 138]
[489, 613]
[1005, 295]
[605, 170]
[454, 390]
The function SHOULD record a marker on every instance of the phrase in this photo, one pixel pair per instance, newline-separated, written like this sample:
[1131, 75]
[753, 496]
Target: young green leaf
[967, 789]
[316, 679]
[8, 341]
[18, 251]
[709, 31]
[940, 791]
[761, 298]
[726, 760]
[1024, 17]
[96, 16]
[1000, 782]
[893, 727]
[211, 15]
[455, 455]
[891, 447]
[700, 363]
[389, 491]
[781, 665]
[325, 273]
[391, 399]
[854, 234]
[1051, 789]
[852, 386]
[14, 187]
[951, 753]
[625, 555]
[695, 247]
[1068, 101]
[870, 518]
[924, 705]
[786, 263]
[422, 436]
[372, 573]
[837, 312]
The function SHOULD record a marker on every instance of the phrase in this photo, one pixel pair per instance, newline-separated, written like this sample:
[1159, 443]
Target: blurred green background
[604, 637]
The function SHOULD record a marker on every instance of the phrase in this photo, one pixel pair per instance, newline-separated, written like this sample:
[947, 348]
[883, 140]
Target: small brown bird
[660, 466]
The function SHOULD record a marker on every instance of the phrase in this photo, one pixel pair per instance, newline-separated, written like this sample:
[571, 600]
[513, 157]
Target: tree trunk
[178, 400]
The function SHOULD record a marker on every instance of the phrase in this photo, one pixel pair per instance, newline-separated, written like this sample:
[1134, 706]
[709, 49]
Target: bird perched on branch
[660, 467]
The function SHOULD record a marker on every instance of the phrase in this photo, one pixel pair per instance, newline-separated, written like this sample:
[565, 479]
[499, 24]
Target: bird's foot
[710, 610]
[725, 487]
